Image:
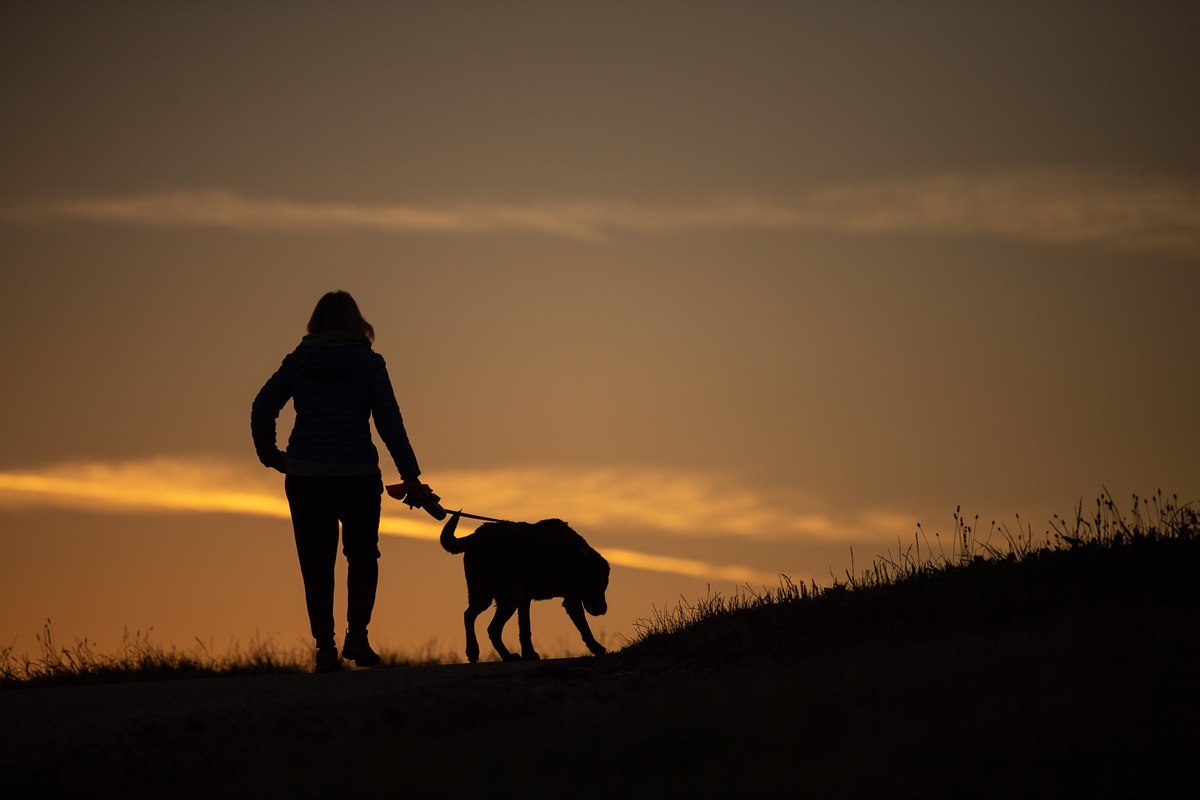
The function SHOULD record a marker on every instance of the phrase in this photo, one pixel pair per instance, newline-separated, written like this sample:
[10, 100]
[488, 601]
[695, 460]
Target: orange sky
[731, 287]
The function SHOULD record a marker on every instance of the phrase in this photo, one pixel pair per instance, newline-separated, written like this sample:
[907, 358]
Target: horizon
[732, 290]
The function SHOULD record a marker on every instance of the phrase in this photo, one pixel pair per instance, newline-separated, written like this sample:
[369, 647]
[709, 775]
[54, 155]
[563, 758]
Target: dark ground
[1093, 704]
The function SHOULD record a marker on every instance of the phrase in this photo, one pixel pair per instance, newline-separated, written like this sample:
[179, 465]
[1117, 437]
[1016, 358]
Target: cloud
[1040, 205]
[653, 502]
[666, 502]
[1061, 206]
[693, 568]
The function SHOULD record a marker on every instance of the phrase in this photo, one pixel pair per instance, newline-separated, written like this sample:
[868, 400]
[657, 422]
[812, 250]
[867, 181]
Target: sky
[740, 290]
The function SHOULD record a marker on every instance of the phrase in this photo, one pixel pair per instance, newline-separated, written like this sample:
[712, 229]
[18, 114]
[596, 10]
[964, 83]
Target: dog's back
[523, 560]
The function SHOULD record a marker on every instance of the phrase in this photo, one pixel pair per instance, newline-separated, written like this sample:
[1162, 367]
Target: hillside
[1069, 668]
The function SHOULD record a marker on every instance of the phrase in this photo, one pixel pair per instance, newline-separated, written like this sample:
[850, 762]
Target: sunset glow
[738, 290]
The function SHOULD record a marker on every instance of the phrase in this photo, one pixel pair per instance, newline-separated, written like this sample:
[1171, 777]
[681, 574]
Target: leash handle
[428, 503]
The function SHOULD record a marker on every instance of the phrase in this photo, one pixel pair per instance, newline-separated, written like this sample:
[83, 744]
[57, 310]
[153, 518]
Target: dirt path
[270, 731]
[1019, 712]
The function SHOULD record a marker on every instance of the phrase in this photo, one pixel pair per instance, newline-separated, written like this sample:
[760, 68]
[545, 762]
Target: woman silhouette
[337, 383]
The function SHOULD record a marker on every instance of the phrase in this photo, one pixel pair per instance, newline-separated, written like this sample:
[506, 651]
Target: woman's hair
[337, 311]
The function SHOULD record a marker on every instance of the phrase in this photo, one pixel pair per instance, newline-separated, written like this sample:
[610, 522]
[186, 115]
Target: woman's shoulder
[348, 358]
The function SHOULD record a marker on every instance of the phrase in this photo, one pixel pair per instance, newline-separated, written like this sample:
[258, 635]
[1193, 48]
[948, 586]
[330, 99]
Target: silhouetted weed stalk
[138, 657]
[960, 559]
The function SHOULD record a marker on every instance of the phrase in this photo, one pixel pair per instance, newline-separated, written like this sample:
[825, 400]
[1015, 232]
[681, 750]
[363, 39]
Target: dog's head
[594, 575]
[587, 569]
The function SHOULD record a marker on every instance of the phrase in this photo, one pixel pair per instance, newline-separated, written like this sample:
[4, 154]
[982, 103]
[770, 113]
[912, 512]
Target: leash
[432, 507]
[477, 516]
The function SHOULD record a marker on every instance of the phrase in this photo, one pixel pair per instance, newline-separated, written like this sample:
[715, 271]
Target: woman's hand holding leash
[415, 494]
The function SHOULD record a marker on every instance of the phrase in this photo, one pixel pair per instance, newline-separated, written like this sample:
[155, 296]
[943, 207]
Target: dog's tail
[449, 543]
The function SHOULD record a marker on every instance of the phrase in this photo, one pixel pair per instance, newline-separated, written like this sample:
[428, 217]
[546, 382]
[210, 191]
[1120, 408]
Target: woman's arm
[390, 423]
[271, 399]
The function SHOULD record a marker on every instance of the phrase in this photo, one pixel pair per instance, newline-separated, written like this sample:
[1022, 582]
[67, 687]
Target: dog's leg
[527, 651]
[469, 616]
[575, 612]
[504, 612]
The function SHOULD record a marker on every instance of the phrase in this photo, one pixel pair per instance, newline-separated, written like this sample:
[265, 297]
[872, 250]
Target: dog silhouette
[515, 563]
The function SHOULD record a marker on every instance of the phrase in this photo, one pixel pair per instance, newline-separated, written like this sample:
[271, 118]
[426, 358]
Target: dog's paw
[597, 649]
[510, 656]
[530, 655]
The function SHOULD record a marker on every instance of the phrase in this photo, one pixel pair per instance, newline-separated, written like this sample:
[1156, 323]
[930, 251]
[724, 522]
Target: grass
[140, 658]
[1100, 558]
[971, 580]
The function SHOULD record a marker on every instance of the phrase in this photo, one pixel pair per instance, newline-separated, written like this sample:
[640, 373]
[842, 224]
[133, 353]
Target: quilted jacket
[337, 383]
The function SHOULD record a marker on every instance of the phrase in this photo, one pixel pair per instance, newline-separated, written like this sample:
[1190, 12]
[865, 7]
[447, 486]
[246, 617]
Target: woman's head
[337, 311]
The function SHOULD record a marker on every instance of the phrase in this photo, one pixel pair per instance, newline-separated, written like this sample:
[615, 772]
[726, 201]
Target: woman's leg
[360, 542]
[315, 524]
